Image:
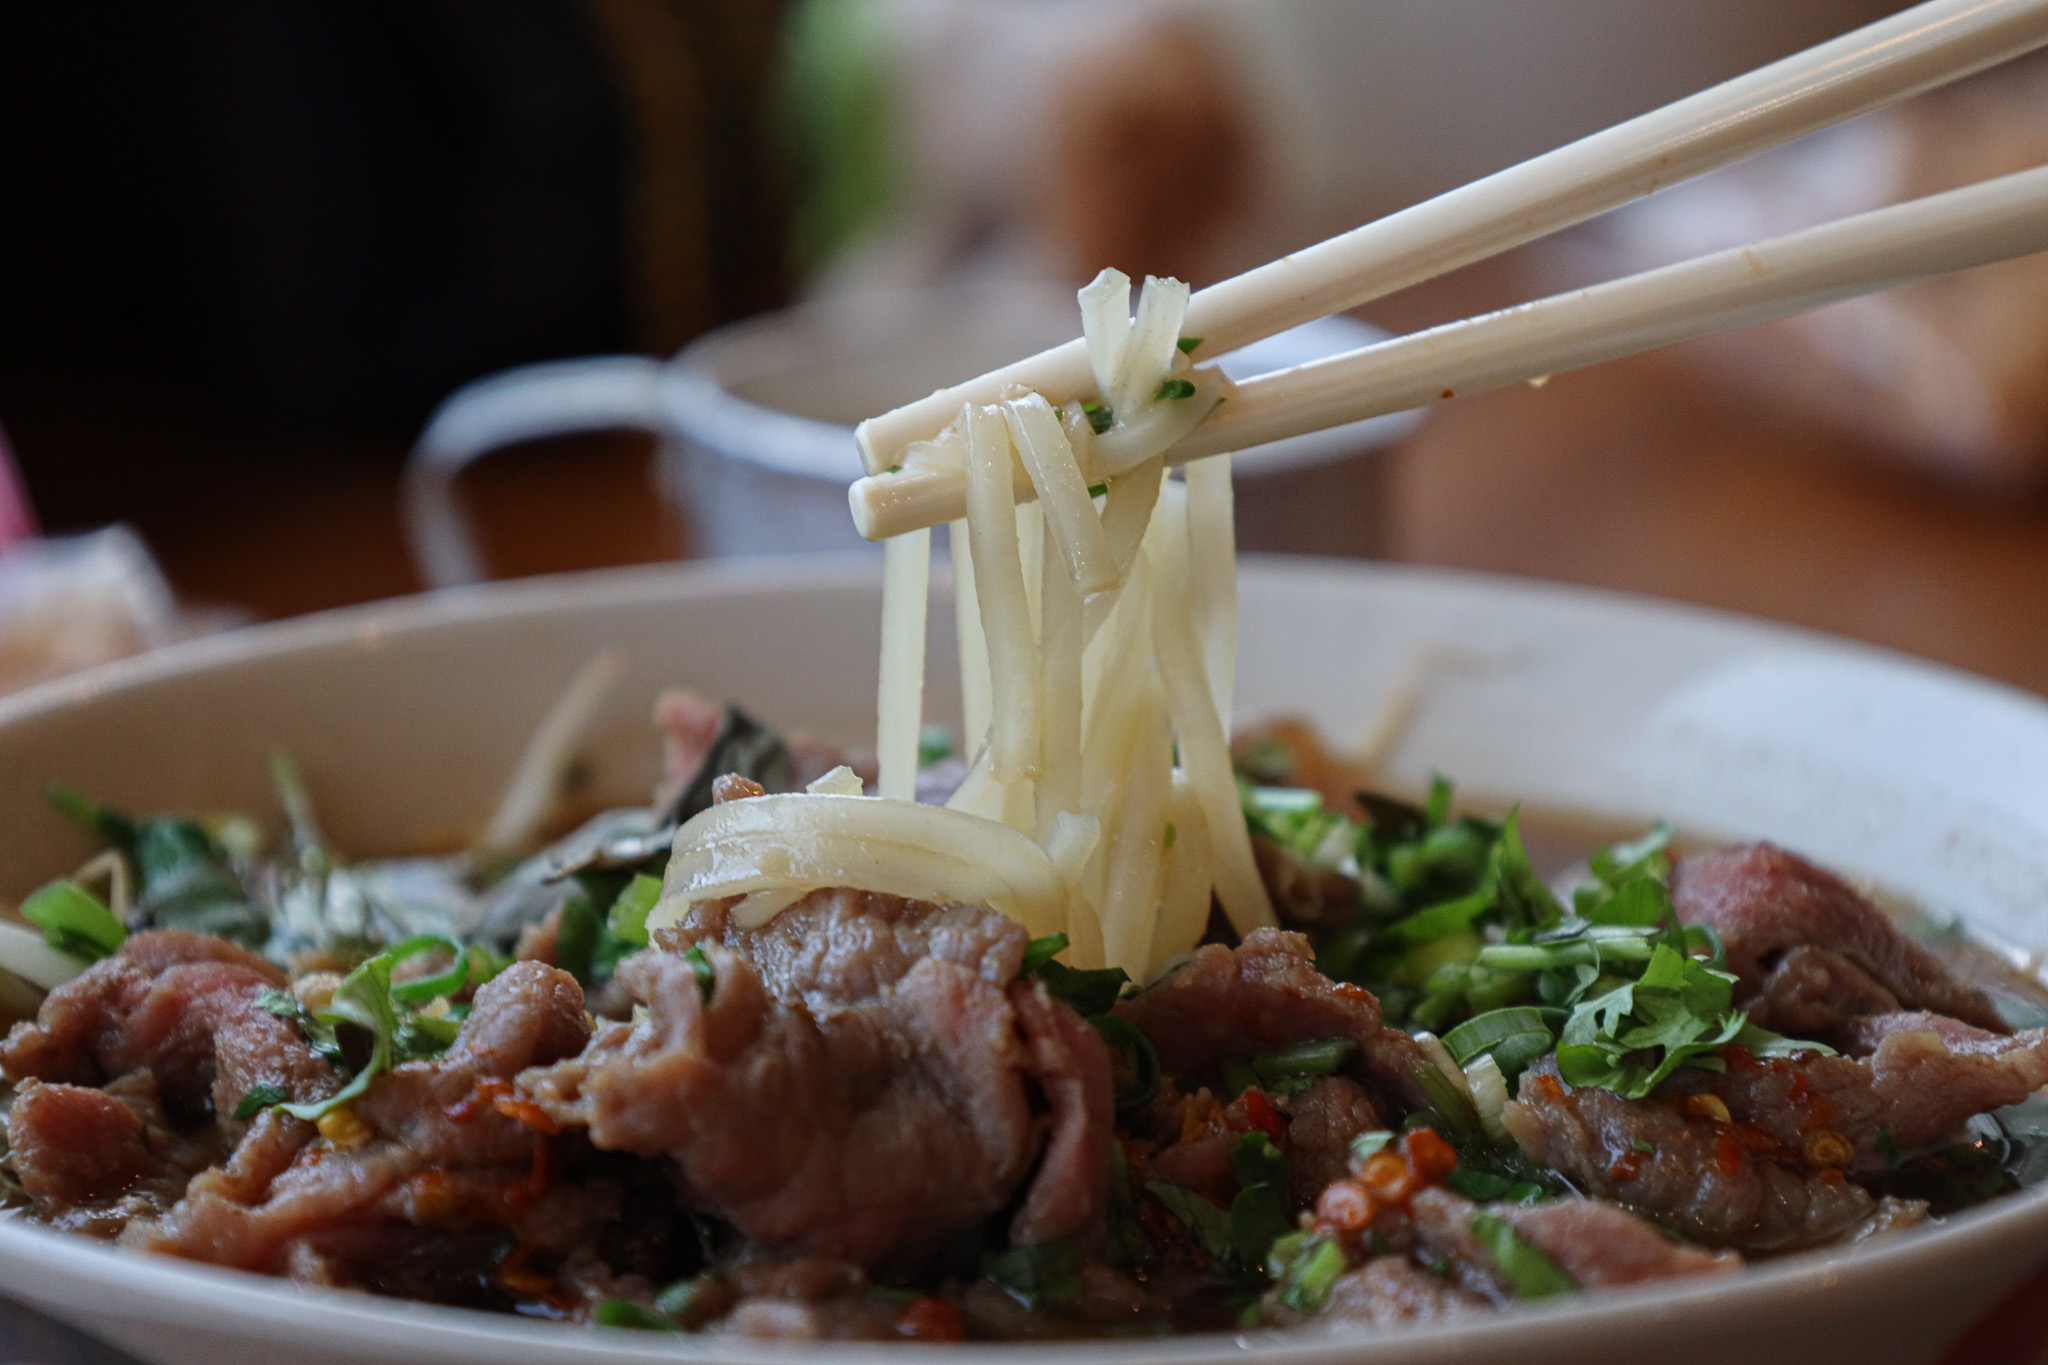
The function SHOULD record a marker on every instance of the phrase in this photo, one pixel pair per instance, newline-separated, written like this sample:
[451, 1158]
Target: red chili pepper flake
[1261, 1116]
[1549, 1088]
[929, 1319]
[1627, 1166]
[1430, 1159]
[472, 1104]
[1729, 1153]
[526, 1112]
[1345, 1207]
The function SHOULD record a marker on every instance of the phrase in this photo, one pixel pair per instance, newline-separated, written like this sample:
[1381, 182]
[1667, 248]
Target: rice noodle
[1204, 748]
[1062, 492]
[1212, 576]
[906, 586]
[1097, 642]
[973, 646]
[1184, 901]
[999, 585]
[898, 848]
[1106, 326]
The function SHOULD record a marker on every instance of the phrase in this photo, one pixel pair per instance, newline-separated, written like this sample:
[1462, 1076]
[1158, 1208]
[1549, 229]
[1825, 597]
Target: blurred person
[1200, 137]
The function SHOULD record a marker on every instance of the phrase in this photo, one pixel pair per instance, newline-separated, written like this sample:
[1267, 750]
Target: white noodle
[1204, 751]
[974, 679]
[999, 585]
[906, 587]
[1062, 492]
[1155, 426]
[1130, 901]
[1184, 903]
[24, 952]
[1153, 346]
[1212, 566]
[898, 848]
[1060, 697]
[1106, 325]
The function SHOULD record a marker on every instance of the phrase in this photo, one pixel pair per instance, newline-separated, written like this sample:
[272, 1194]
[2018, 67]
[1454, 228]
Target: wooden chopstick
[1976, 225]
[1917, 50]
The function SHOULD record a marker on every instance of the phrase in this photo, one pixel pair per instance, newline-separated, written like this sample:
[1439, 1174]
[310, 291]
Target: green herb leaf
[362, 999]
[1175, 388]
[184, 878]
[627, 919]
[1126, 1243]
[1367, 1145]
[1037, 1275]
[1089, 992]
[935, 742]
[1096, 490]
[1532, 1274]
[1303, 1267]
[1101, 417]
[625, 1313]
[74, 921]
[1513, 1037]
[1187, 344]
[318, 1035]
[707, 975]
[1258, 1215]
[1127, 1038]
[1209, 1224]
[260, 1098]
[448, 981]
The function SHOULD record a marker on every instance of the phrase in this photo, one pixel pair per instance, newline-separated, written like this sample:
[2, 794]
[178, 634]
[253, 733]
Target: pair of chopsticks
[1908, 54]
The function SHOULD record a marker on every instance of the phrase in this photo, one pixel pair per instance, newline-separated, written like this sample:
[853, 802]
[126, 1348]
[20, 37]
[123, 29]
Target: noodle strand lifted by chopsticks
[1097, 634]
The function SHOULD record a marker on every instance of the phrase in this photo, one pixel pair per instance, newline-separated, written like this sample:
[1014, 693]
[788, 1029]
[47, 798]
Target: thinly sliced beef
[1266, 993]
[1922, 1080]
[181, 1006]
[450, 1148]
[1321, 1122]
[837, 949]
[1690, 1174]
[1072, 1068]
[870, 1132]
[1598, 1244]
[1389, 1291]
[71, 1145]
[1811, 953]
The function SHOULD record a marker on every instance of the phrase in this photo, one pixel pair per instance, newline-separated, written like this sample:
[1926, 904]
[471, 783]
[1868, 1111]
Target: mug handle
[553, 398]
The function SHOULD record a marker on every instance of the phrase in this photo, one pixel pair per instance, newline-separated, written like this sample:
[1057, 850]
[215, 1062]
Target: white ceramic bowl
[406, 716]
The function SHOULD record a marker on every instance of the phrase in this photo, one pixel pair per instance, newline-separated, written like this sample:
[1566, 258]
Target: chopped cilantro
[1532, 1274]
[260, 1098]
[1187, 345]
[1101, 417]
[1175, 388]
[1096, 490]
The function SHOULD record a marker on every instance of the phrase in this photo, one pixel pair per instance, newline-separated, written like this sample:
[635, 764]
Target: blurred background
[246, 249]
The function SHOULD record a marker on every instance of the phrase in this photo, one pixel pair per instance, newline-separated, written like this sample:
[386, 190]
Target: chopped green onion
[1304, 1267]
[1175, 388]
[1187, 344]
[1040, 951]
[627, 919]
[1096, 490]
[1318, 1058]
[1366, 1145]
[425, 988]
[934, 745]
[362, 999]
[1237, 1075]
[1532, 1274]
[1101, 417]
[707, 976]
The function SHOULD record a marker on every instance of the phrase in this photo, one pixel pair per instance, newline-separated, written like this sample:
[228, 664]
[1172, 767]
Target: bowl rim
[201, 1296]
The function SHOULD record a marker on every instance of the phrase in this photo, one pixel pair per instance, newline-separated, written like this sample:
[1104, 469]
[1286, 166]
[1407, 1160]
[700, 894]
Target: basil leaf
[74, 921]
[1036, 1275]
[1125, 1037]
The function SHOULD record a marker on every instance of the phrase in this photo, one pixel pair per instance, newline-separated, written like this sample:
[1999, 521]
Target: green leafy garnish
[1209, 1224]
[74, 922]
[1090, 992]
[1128, 1039]
[1303, 1267]
[260, 1098]
[1096, 490]
[707, 975]
[1125, 1243]
[1258, 1214]
[362, 999]
[1187, 345]
[1037, 1275]
[1101, 417]
[1303, 1061]
[1175, 388]
[1513, 1037]
[319, 1036]
[934, 745]
[1532, 1274]
[625, 1313]
[184, 878]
